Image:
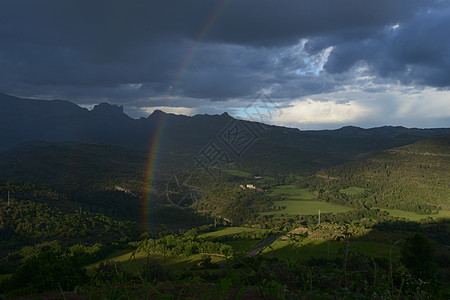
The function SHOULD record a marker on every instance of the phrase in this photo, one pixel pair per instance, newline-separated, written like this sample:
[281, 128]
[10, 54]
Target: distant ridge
[381, 132]
[30, 120]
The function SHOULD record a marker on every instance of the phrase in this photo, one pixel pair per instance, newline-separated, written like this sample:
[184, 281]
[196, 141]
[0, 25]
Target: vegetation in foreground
[346, 274]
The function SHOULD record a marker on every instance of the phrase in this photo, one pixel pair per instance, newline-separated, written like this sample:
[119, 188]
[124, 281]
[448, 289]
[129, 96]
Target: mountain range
[100, 156]
[31, 120]
[39, 135]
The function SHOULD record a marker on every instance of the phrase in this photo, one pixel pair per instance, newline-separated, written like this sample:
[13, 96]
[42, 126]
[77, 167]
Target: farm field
[353, 190]
[300, 202]
[229, 231]
[292, 192]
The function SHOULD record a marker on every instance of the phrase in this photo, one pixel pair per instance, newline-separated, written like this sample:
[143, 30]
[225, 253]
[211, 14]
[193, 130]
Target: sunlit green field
[415, 216]
[299, 202]
[292, 192]
[353, 190]
[228, 231]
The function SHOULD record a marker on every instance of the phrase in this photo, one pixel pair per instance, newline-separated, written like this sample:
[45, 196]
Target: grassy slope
[292, 192]
[228, 231]
[352, 190]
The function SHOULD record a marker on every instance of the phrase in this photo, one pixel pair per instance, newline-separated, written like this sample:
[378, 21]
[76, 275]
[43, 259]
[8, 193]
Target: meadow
[352, 190]
[298, 201]
[291, 191]
[228, 232]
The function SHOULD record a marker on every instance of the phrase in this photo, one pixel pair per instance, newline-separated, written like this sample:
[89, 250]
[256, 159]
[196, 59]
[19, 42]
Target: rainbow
[155, 145]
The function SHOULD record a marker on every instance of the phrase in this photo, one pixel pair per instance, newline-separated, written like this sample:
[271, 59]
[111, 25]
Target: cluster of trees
[360, 217]
[181, 245]
[27, 222]
[50, 266]
[47, 271]
[234, 204]
[82, 253]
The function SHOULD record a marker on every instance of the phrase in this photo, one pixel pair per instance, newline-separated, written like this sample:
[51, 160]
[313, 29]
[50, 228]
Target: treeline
[360, 217]
[84, 254]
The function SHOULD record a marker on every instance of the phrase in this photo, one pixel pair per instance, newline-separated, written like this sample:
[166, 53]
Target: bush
[44, 272]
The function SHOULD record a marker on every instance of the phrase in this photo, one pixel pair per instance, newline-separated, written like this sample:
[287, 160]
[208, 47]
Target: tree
[46, 271]
[417, 255]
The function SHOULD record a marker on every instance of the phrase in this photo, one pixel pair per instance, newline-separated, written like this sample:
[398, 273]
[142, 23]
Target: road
[269, 240]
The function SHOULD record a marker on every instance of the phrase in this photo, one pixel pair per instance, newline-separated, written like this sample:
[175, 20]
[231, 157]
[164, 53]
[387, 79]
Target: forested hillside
[38, 216]
[415, 177]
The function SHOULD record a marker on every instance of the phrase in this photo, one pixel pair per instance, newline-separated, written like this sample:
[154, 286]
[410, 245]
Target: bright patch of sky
[392, 105]
[188, 111]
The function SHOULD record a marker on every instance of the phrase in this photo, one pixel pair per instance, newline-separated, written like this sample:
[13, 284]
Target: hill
[414, 178]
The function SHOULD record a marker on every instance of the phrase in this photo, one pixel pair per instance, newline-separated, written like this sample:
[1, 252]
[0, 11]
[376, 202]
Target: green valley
[347, 229]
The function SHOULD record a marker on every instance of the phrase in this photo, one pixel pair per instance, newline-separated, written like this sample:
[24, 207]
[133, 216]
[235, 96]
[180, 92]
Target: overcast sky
[318, 63]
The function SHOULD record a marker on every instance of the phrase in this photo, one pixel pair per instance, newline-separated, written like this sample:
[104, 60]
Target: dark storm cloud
[415, 52]
[127, 51]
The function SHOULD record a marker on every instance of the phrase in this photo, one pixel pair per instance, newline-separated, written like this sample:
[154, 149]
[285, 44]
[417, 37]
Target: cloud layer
[326, 62]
